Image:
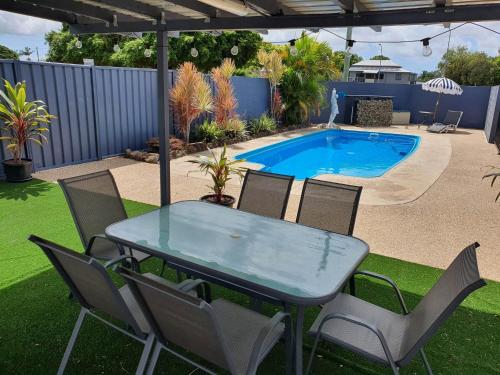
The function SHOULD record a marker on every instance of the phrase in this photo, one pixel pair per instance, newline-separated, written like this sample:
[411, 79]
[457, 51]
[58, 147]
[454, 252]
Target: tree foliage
[428, 75]
[339, 58]
[7, 53]
[380, 57]
[470, 68]
[212, 49]
[303, 86]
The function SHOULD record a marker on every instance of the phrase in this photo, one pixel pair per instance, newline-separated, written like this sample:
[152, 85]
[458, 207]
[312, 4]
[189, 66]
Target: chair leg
[313, 350]
[145, 355]
[179, 276]
[72, 340]
[352, 286]
[426, 362]
[163, 266]
[154, 359]
[255, 304]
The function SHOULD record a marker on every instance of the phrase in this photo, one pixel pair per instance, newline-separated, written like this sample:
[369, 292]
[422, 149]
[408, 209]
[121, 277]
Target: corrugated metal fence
[101, 111]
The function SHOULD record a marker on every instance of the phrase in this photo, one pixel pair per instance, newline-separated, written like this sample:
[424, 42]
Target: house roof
[115, 16]
[374, 66]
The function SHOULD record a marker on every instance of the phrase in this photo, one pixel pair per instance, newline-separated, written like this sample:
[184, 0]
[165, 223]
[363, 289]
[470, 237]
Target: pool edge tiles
[352, 153]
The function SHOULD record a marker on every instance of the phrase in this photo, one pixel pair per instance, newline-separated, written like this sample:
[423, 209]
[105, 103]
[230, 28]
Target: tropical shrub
[224, 102]
[220, 169]
[191, 96]
[235, 128]
[263, 124]
[209, 131]
[302, 85]
[23, 121]
[273, 70]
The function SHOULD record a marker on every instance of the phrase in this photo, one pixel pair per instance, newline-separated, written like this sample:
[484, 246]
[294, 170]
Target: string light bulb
[293, 48]
[235, 50]
[116, 48]
[78, 43]
[194, 52]
[426, 49]
[147, 52]
[350, 44]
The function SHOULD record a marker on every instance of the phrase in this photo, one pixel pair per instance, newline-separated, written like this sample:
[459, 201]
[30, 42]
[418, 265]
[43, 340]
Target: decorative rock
[374, 113]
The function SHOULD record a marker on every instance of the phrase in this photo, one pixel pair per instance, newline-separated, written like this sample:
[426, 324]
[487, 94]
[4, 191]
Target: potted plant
[220, 169]
[22, 121]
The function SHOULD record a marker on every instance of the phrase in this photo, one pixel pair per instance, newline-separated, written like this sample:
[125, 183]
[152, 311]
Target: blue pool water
[345, 152]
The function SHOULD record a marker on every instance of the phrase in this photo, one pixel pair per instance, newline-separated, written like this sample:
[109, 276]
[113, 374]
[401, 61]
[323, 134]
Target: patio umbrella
[442, 86]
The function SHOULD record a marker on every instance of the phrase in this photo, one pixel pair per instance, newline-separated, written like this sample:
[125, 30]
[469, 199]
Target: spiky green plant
[22, 120]
[220, 168]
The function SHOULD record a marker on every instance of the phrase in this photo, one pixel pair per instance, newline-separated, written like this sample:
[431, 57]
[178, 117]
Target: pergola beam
[73, 7]
[371, 18]
[40, 12]
[202, 8]
[272, 7]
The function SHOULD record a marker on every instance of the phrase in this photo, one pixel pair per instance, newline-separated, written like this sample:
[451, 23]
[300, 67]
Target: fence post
[97, 134]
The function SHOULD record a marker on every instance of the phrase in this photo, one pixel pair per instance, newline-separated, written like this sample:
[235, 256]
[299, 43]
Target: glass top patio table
[283, 260]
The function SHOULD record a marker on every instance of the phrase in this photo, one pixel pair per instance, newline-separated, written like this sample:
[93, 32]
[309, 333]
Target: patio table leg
[288, 341]
[299, 326]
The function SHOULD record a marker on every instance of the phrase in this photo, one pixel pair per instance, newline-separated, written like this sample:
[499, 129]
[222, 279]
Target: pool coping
[403, 183]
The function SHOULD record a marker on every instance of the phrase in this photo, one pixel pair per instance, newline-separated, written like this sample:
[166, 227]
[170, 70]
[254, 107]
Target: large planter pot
[17, 172]
[227, 200]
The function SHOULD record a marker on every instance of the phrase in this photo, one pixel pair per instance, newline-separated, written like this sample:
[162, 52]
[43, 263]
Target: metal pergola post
[163, 82]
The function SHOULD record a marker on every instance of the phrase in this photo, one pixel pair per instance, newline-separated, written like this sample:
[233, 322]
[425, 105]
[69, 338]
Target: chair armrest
[264, 334]
[203, 288]
[391, 283]
[363, 323]
[120, 259]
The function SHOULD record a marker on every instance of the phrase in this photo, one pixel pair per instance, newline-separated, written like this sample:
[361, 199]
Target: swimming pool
[335, 151]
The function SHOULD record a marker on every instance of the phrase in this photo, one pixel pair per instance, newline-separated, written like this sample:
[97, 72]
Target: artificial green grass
[36, 317]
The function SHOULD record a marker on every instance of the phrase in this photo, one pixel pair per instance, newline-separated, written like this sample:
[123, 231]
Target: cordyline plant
[273, 70]
[23, 121]
[220, 169]
[191, 96]
[224, 102]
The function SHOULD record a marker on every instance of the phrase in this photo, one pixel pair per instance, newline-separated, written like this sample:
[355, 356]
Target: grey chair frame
[357, 189]
[404, 310]
[447, 125]
[257, 354]
[147, 339]
[64, 183]
[290, 180]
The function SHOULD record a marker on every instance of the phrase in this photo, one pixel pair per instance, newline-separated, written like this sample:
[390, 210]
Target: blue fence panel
[126, 108]
[7, 71]
[252, 95]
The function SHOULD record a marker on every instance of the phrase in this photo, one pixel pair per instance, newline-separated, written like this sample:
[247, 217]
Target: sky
[18, 31]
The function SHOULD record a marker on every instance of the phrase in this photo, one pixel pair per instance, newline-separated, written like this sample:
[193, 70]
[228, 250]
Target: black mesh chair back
[329, 206]
[459, 280]
[95, 203]
[88, 281]
[178, 318]
[452, 117]
[265, 193]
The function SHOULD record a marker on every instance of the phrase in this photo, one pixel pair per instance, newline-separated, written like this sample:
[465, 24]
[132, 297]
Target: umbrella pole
[436, 108]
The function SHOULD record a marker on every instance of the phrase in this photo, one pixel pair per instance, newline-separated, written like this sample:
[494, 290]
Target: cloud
[17, 24]
[408, 54]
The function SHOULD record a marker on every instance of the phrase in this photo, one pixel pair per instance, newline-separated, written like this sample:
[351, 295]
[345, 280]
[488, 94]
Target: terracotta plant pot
[18, 172]
[227, 200]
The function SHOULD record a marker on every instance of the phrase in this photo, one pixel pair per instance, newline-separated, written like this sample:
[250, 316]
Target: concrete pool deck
[450, 209]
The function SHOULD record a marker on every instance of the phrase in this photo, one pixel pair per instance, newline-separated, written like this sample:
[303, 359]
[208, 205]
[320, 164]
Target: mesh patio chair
[94, 290]
[394, 339]
[227, 335]
[95, 203]
[265, 193]
[450, 122]
[329, 206]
